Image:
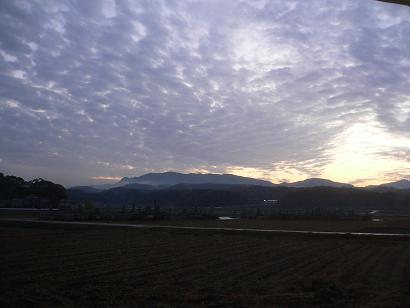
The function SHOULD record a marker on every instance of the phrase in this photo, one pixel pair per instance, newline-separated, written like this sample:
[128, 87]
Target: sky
[91, 91]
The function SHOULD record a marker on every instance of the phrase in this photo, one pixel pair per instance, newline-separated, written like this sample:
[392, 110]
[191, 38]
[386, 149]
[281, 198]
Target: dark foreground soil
[79, 266]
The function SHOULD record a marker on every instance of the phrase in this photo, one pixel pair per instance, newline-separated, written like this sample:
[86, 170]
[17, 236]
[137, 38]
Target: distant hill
[246, 195]
[174, 178]
[201, 181]
[88, 189]
[402, 184]
[224, 190]
[176, 181]
[138, 186]
[97, 188]
[316, 182]
[208, 186]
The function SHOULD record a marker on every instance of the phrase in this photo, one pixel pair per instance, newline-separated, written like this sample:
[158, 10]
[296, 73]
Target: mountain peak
[401, 184]
[315, 182]
[174, 178]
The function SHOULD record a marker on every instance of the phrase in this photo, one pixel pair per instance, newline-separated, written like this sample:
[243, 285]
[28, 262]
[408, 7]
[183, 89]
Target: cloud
[182, 85]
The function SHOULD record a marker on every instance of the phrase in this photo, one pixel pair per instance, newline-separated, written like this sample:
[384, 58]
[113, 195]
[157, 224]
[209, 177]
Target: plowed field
[74, 266]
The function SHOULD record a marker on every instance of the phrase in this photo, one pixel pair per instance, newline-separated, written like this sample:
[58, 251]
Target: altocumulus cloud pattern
[274, 89]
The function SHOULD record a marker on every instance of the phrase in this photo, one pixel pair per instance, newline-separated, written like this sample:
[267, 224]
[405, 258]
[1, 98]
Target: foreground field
[73, 266]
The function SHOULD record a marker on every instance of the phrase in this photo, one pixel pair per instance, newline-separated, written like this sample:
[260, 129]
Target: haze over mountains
[177, 180]
[315, 182]
[174, 178]
[171, 189]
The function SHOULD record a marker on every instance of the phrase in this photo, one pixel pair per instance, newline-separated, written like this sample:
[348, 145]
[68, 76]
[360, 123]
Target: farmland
[53, 265]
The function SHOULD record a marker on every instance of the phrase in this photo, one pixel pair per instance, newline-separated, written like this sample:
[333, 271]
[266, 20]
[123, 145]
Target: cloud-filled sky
[281, 90]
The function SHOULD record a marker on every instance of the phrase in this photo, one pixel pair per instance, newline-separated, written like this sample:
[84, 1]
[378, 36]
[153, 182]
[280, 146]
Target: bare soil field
[90, 266]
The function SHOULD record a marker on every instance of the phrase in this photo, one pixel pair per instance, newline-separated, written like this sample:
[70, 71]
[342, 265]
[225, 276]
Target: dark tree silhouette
[12, 187]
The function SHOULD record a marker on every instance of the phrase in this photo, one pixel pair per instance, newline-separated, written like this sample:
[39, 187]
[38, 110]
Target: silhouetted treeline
[238, 195]
[13, 187]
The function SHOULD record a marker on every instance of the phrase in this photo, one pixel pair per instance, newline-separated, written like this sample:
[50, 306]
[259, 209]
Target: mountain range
[402, 184]
[174, 178]
[177, 180]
